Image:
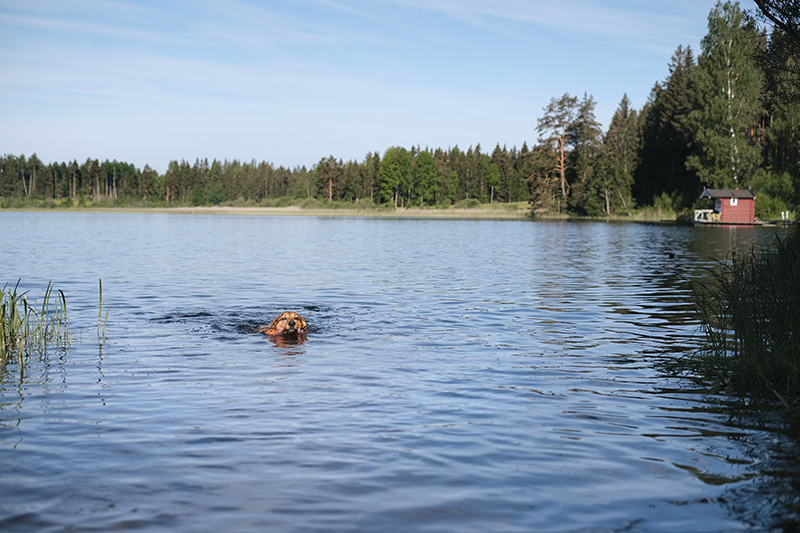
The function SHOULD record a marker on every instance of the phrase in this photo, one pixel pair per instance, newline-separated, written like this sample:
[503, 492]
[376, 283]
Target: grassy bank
[485, 211]
[315, 207]
[750, 310]
[285, 206]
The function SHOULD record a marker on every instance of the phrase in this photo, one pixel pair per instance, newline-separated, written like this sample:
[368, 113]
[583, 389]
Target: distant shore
[505, 211]
[314, 207]
[400, 212]
[484, 212]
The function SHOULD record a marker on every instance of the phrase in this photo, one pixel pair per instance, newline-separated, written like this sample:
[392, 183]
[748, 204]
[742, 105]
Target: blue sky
[148, 82]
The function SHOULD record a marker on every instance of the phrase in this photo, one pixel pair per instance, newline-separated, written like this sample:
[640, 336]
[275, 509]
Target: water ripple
[457, 376]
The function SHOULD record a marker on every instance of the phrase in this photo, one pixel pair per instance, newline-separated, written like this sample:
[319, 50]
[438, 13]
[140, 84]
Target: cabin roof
[745, 194]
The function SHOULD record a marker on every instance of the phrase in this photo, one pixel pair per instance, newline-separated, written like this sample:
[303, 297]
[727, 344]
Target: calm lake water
[458, 376]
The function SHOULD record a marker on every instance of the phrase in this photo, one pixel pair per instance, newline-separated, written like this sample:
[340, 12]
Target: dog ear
[274, 324]
[303, 323]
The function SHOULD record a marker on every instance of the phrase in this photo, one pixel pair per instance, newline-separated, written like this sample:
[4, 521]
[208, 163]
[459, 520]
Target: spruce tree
[504, 166]
[425, 178]
[666, 139]
[586, 139]
[620, 155]
[389, 176]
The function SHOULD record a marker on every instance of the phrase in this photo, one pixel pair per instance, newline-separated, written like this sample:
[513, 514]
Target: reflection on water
[456, 376]
[287, 340]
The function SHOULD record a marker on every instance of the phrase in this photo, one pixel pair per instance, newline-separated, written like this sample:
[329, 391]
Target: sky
[293, 82]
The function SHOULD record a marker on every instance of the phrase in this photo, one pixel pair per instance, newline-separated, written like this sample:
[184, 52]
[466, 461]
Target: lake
[458, 375]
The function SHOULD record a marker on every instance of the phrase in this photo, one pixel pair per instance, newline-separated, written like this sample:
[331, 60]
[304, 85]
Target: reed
[26, 327]
[101, 332]
[750, 311]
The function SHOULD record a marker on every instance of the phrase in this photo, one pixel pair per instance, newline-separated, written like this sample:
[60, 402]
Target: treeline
[400, 178]
[725, 119]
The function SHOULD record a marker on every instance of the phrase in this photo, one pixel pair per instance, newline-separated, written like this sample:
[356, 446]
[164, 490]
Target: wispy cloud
[442, 72]
[623, 21]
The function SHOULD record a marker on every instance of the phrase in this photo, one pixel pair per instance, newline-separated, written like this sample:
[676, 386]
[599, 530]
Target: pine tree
[557, 124]
[782, 115]
[330, 178]
[784, 15]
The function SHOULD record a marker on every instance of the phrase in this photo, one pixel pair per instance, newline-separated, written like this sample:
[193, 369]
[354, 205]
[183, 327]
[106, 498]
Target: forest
[725, 118]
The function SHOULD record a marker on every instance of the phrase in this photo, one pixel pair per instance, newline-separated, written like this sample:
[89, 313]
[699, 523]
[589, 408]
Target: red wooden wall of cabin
[742, 213]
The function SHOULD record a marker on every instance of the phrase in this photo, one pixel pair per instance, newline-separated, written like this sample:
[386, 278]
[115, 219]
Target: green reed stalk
[750, 312]
[25, 328]
[100, 313]
[61, 318]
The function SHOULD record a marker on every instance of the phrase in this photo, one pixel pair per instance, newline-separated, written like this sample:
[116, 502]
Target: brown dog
[287, 323]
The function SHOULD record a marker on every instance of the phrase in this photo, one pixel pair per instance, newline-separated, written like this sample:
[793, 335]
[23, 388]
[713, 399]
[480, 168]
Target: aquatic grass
[26, 327]
[750, 311]
[102, 333]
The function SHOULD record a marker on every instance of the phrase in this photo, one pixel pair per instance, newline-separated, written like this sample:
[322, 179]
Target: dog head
[288, 322]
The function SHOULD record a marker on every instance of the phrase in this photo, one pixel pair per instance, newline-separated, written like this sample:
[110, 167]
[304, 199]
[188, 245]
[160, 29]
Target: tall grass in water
[750, 312]
[102, 334]
[25, 327]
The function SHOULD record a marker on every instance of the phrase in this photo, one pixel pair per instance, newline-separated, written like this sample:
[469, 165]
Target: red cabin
[731, 206]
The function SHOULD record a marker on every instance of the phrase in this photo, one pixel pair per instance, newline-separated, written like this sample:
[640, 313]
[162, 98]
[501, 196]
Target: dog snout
[291, 324]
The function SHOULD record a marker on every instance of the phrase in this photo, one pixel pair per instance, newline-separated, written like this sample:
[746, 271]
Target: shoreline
[399, 212]
[481, 213]
[484, 212]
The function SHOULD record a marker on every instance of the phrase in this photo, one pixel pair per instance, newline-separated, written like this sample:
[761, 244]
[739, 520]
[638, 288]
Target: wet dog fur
[287, 323]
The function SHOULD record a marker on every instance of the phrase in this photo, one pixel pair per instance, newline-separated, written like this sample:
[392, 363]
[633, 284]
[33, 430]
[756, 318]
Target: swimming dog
[287, 323]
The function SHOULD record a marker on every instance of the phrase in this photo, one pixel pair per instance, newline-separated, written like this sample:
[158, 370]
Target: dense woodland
[725, 118]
